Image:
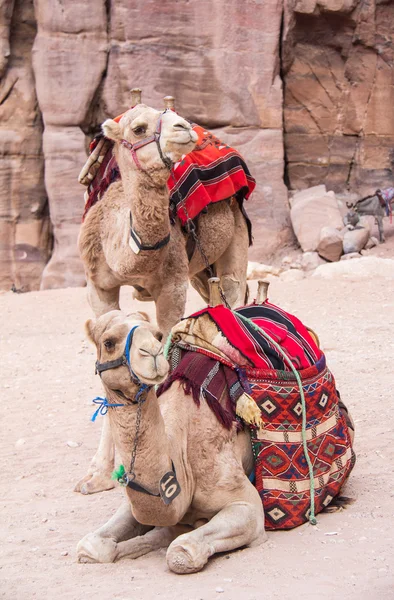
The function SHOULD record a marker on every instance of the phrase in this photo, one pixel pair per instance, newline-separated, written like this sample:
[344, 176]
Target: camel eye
[109, 344]
[139, 130]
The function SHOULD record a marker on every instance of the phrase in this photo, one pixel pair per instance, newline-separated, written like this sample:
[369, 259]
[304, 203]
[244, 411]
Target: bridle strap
[139, 488]
[141, 246]
[124, 360]
[152, 138]
[110, 364]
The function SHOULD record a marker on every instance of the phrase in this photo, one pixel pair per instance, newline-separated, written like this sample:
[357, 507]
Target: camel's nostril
[180, 126]
[153, 353]
[144, 352]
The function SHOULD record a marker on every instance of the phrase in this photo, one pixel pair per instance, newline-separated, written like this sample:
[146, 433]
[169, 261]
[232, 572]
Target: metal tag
[169, 487]
[133, 244]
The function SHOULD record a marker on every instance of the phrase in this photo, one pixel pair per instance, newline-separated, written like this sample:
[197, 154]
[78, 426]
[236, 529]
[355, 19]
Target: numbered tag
[169, 487]
[133, 244]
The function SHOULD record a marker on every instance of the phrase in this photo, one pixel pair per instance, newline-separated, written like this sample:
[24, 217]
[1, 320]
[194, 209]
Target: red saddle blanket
[220, 358]
[211, 173]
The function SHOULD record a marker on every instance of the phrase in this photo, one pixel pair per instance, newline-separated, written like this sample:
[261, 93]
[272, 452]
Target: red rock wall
[339, 96]
[224, 61]
[25, 231]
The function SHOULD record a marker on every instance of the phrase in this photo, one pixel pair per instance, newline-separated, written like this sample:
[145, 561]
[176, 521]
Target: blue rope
[103, 408]
[128, 345]
[144, 386]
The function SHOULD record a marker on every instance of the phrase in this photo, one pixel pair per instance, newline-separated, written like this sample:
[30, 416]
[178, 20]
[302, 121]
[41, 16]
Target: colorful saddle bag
[259, 366]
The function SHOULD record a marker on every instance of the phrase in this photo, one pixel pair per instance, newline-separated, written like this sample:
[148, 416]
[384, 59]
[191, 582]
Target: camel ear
[143, 316]
[112, 130]
[89, 329]
[139, 315]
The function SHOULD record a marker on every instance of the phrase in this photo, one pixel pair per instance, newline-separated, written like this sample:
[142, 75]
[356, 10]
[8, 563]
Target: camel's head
[150, 140]
[134, 339]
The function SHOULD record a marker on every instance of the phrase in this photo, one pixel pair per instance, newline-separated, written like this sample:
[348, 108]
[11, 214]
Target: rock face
[338, 65]
[25, 231]
[70, 49]
[224, 62]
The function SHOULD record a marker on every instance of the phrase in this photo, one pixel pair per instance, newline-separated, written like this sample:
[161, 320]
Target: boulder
[311, 210]
[311, 260]
[330, 244]
[366, 267]
[355, 240]
[260, 271]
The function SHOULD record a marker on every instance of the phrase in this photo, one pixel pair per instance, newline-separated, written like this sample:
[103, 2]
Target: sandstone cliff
[227, 64]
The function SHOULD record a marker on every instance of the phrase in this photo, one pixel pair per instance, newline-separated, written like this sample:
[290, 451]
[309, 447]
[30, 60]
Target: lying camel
[184, 457]
[140, 202]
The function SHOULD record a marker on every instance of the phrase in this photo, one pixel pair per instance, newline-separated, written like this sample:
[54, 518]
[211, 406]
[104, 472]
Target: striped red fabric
[285, 329]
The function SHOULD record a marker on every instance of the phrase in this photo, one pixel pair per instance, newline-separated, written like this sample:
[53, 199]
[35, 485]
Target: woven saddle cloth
[211, 173]
[221, 358]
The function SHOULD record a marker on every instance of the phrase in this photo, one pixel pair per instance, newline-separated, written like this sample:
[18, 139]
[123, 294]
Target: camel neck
[149, 206]
[153, 458]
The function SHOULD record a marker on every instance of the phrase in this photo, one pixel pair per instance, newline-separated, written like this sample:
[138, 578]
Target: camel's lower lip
[189, 141]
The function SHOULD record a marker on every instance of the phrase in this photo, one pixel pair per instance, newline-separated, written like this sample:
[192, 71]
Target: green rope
[167, 346]
[312, 518]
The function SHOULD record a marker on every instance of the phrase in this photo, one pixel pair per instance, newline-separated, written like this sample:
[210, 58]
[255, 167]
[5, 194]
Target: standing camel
[127, 239]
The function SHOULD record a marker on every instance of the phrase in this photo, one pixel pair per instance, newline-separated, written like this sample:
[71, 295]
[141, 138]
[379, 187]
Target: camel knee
[187, 555]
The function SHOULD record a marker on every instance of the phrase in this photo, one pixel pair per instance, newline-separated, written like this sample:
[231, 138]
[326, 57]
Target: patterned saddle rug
[247, 380]
[211, 173]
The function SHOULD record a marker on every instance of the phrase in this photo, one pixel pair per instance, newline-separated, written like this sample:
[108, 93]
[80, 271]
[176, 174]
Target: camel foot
[96, 549]
[187, 556]
[95, 482]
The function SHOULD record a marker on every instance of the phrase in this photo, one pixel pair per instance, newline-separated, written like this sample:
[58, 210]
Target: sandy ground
[47, 383]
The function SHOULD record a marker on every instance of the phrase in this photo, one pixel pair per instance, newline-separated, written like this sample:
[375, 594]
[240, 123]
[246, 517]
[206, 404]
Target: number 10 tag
[169, 487]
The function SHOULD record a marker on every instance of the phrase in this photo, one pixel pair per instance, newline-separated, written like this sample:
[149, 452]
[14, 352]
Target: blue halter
[124, 360]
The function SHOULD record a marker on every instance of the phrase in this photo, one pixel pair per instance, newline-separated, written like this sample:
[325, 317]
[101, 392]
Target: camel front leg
[102, 545]
[102, 301]
[122, 536]
[170, 305]
[99, 474]
[237, 524]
